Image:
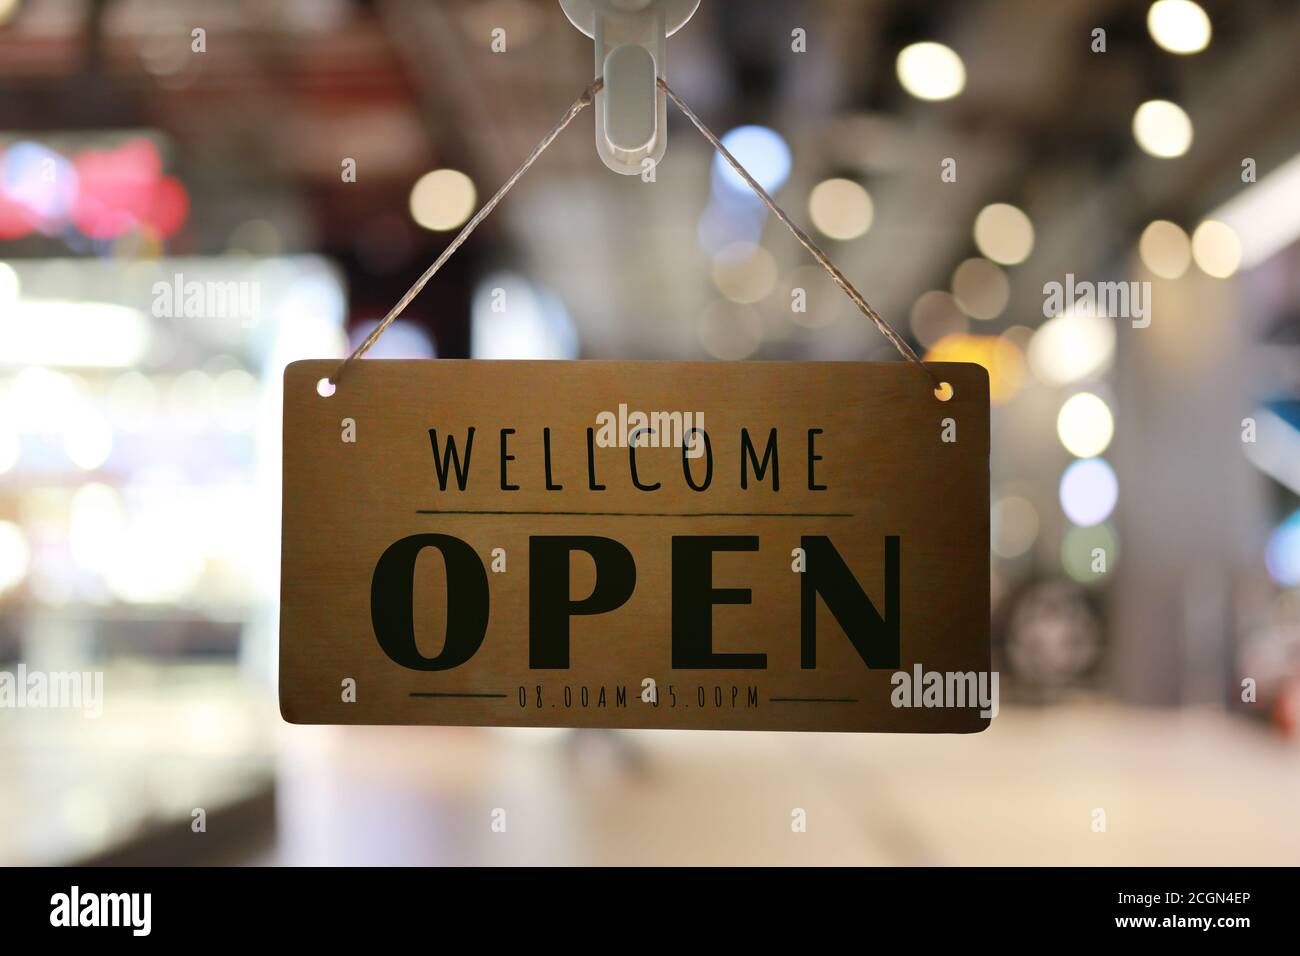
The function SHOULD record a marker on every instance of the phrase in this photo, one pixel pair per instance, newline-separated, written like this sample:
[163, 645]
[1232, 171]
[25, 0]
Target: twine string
[581, 103]
[840, 278]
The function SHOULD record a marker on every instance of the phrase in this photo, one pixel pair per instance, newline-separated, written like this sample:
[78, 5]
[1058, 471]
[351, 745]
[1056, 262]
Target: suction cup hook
[631, 111]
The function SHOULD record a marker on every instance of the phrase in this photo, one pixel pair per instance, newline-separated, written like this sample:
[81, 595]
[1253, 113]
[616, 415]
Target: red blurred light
[123, 188]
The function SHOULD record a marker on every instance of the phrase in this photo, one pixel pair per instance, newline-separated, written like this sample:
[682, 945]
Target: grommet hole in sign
[792, 540]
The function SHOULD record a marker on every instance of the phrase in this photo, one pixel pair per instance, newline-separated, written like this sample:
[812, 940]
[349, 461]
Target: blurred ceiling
[258, 125]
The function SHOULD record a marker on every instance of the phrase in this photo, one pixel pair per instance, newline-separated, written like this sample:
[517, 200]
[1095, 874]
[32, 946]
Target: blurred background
[303, 161]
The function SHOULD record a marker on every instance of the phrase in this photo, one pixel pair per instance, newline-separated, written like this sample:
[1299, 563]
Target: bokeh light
[744, 272]
[840, 209]
[1071, 347]
[442, 200]
[761, 151]
[1004, 233]
[1088, 554]
[1013, 526]
[1085, 425]
[1179, 26]
[730, 332]
[1000, 357]
[1162, 129]
[1089, 491]
[15, 555]
[935, 315]
[9, 285]
[931, 71]
[981, 289]
[1165, 249]
[1282, 556]
[1216, 248]
[88, 439]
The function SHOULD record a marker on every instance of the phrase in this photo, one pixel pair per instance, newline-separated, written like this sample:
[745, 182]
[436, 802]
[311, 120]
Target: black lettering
[549, 604]
[392, 588]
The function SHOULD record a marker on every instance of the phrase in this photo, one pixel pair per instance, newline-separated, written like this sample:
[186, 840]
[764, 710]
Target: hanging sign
[736, 546]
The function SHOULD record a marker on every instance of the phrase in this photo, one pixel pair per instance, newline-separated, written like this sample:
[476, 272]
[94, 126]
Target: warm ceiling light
[1004, 234]
[1085, 425]
[981, 289]
[1179, 26]
[1165, 249]
[442, 199]
[1216, 248]
[840, 209]
[931, 71]
[1162, 128]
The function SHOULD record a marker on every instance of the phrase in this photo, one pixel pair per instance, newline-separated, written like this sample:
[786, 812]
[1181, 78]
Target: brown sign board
[736, 546]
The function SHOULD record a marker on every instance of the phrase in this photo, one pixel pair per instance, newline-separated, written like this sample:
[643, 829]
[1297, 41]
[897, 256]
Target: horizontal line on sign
[430, 693]
[814, 700]
[656, 514]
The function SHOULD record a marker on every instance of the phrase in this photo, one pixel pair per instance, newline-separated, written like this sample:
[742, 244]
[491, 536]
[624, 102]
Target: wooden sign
[740, 546]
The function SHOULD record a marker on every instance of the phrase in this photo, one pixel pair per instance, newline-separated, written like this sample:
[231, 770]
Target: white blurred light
[309, 322]
[1004, 233]
[1070, 347]
[401, 340]
[760, 150]
[235, 396]
[1162, 128]
[97, 521]
[931, 71]
[9, 285]
[1276, 448]
[510, 318]
[1179, 26]
[1216, 248]
[191, 399]
[1089, 491]
[744, 272]
[1085, 425]
[1265, 215]
[1165, 249]
[40, 401]
[15, 555]
[442, 200]
[88, 439]
[158, 557]
[48, 332]
[316, 294]
[132, 400]
[840, 209]
[10, 447]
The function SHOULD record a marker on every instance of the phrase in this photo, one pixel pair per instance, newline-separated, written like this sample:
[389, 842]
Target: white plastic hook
[631, 111]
